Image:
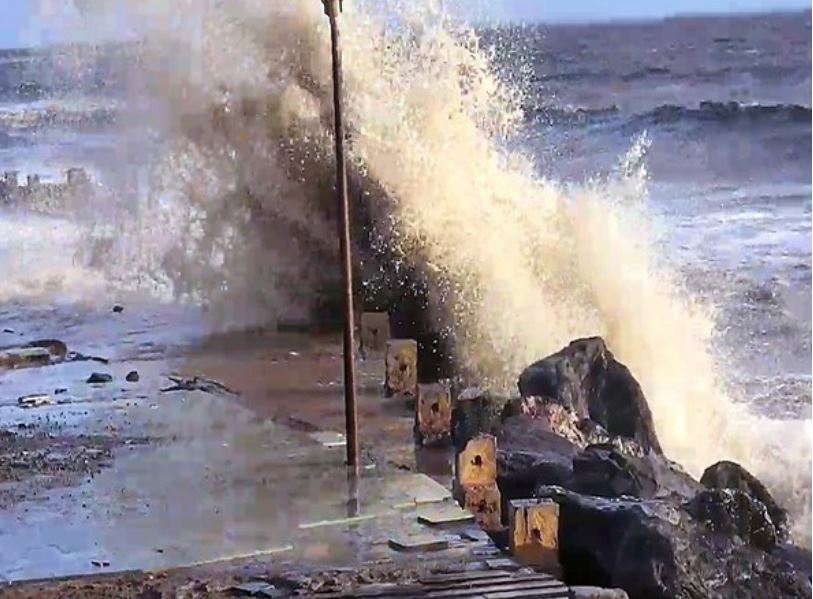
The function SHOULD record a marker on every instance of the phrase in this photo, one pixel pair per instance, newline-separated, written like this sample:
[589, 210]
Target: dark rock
[655, 549]
[603, 471]
[797, 557]
[586, 379]
[476, 412]
[132, 376]
[607, 471]
[118, 309]
[735, 512]
[530, 454]
[99, 377]
[729, 475]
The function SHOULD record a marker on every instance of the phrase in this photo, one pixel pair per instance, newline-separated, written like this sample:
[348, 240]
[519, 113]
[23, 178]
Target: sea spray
[238, 209]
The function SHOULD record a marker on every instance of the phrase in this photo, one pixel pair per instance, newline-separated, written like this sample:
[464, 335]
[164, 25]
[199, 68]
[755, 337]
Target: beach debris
[35, 401]
[197, 383]
[60, 391]
[98, 378]
[118, 309]
[258, 588]
[132, 376]
[75, 356]
[100, 563]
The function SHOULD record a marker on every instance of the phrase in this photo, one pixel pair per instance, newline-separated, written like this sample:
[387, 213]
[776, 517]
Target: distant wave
[707, 111]
[728, 112]
[570, 115]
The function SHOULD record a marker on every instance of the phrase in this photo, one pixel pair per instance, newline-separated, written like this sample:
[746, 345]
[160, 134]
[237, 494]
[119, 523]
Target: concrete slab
[329, 438]
[443, 514]
[418, 543]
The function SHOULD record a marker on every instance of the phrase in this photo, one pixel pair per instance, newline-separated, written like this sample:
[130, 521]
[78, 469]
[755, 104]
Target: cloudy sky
[34, 22]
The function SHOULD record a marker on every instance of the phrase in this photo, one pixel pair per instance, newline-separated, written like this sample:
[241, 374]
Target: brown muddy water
[122, 476]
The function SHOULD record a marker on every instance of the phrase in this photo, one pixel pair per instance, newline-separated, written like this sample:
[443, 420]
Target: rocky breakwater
[581, 434]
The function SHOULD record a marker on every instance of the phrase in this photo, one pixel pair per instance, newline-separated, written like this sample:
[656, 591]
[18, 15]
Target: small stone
[132, 376]
[99, 378]
[118, 309]
[60, 391]
[100, 563]
[9, 331]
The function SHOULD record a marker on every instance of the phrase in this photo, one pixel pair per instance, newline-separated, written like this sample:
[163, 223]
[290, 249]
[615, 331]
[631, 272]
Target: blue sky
[21, 26]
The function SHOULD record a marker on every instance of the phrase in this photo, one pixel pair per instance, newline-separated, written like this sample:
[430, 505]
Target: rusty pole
[332, 9]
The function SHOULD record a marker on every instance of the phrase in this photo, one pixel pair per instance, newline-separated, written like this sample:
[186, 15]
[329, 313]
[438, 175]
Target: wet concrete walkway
[223, 476]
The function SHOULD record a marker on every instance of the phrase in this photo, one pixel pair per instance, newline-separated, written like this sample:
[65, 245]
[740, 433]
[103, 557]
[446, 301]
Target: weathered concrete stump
[533, 537]
[476, 481]
[433, 414]
[402, 367]
[484, 502]
[477, 463]
[375, 332]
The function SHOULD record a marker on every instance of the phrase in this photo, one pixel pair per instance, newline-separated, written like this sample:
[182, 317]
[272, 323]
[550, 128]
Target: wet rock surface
[656, 549]
[630, 518]
[729, 475]
[586, 379]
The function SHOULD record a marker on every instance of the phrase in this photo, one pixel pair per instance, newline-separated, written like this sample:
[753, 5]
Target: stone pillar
[401, 368]
[476, 481]
[375, 332]
[534, 533]
[433, 413]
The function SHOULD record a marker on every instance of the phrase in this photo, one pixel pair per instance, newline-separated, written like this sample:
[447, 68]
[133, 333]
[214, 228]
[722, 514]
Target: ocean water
[646, 182]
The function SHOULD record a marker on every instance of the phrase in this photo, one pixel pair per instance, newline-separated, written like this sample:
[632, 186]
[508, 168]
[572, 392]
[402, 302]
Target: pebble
[132, 376]
[99, 377]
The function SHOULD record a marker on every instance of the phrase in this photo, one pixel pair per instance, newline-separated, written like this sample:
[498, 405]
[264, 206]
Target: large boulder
[586, 379]
[606, 470]
[729, 475]
[656, 549]
[530, 454]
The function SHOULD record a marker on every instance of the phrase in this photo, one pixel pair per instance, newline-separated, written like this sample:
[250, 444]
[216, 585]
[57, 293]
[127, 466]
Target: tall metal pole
[332, 9]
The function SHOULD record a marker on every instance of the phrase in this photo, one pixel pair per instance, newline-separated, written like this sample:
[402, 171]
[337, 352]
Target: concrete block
[597, 593]
[374, 332]
[533, 533]
[477, 463]
[433, 413]
[484, 502]
[402, 367]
